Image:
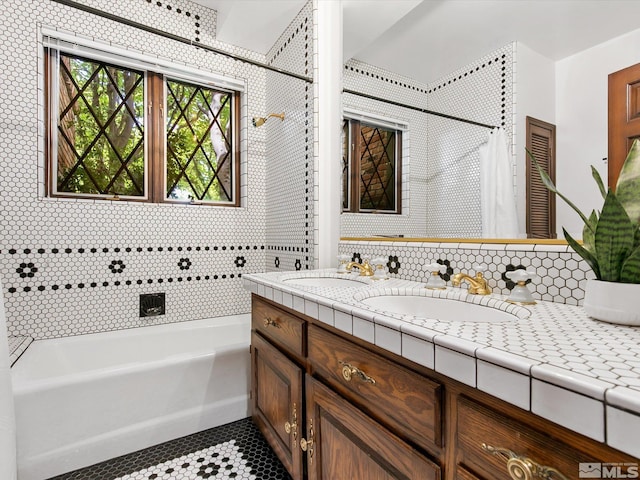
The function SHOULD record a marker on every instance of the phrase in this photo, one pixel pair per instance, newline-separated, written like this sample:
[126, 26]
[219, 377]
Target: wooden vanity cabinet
[343, 443]
[363, 413]
[307, 419]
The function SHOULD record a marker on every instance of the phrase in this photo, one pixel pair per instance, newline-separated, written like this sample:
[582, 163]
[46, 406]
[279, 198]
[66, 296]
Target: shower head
[259, 121]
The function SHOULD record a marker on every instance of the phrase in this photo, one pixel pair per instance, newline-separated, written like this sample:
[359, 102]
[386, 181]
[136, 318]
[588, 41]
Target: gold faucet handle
[435, 281]
[480, 268]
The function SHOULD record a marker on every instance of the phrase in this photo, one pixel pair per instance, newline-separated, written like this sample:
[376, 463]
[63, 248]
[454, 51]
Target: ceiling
[428, 39]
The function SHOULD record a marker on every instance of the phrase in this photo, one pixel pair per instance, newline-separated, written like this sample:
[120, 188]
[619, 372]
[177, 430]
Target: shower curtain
[7, 418]
[497, 200]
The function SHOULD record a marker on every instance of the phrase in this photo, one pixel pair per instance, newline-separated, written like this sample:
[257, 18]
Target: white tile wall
[561, 272]
[289, 152]
[69, 245]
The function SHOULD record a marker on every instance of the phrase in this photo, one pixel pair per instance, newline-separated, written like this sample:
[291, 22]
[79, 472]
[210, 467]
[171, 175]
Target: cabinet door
[276, 391]
[342, 443]
[498, 447]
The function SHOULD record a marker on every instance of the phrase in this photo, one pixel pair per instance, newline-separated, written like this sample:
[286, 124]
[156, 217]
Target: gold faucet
[477, 285]
[366, 270]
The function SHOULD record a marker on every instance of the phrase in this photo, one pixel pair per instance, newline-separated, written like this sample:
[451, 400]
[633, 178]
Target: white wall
[581, 119]
[535, 97]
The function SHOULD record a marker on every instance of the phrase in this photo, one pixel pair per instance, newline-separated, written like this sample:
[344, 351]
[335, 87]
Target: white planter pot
[613, 302]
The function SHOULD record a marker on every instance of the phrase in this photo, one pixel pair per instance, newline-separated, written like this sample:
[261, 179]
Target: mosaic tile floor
[233, 451]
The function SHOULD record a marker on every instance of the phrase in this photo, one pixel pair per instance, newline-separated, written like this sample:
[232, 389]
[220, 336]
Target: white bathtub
[81, 400]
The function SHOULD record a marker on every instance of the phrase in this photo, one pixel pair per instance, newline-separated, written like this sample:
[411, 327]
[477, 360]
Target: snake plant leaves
[596, 176]
[584, 253]
[588, 233]
[614, 238]
[628, 186]
[631, 268]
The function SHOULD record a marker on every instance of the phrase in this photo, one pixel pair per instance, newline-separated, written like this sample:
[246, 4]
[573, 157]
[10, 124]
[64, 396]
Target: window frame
[155, 155]
[352, 122]
[234, 150]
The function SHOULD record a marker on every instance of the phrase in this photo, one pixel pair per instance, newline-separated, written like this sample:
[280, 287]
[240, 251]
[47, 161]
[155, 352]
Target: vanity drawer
[513, 441]
[394, 395]
[282, 328]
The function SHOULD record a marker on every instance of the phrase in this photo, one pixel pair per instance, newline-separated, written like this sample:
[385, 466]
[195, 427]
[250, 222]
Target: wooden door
[276, 392]
[624, 117]
[343, 443]
[541, 203]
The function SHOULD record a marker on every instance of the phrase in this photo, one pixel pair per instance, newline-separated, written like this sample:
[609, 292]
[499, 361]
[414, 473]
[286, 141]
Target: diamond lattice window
[371, 168]
[346, 178]
[198, 143]
[119, 132]
[100, 129]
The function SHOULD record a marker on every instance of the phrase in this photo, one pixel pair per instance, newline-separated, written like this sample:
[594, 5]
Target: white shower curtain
[497, 200]
[7, 418]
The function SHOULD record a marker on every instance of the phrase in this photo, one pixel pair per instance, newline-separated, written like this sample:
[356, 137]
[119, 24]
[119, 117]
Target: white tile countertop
[552, 359]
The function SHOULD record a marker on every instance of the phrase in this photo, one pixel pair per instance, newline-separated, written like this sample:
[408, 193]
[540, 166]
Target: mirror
[493, 63]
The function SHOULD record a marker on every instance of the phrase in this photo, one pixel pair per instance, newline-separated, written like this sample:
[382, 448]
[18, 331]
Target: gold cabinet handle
[268, 322]
[292, 428]
[349, 371]
[307, 445]
[523, 468]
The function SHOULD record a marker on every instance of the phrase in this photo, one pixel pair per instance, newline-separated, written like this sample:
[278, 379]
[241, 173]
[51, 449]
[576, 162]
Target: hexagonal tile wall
[561, 273]
[72, 266]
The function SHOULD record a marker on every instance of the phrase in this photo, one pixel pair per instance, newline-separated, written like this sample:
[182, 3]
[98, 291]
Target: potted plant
[611, 244]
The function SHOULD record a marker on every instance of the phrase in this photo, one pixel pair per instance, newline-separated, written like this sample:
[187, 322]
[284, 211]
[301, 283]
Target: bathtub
[84, 399]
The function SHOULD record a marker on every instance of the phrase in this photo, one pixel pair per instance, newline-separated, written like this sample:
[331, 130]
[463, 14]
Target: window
[371, 167]
[125, 130]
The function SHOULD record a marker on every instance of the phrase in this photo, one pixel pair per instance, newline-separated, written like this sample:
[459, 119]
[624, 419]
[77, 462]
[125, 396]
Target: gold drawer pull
[523, 468]
[349, 371]
[271, 323]
[307, 445]
[292, 427]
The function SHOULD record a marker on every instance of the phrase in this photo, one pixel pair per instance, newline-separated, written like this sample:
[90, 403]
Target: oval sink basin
[443, 309]
[331, 282]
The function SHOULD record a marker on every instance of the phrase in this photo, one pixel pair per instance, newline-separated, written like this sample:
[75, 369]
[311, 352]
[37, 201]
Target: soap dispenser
[435, 281]
[520, 293]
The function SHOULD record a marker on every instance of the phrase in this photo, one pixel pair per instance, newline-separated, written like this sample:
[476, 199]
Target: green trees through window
[198, 143]
[100, 128]
[114, 139]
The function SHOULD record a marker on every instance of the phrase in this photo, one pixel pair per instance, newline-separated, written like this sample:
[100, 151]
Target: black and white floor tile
[234, 451]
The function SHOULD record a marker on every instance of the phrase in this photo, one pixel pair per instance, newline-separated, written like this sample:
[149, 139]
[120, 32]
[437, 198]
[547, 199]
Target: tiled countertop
[553, 360]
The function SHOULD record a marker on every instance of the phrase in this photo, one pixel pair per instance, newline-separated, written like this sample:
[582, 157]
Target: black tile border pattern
[117, 266]
[265, 465]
